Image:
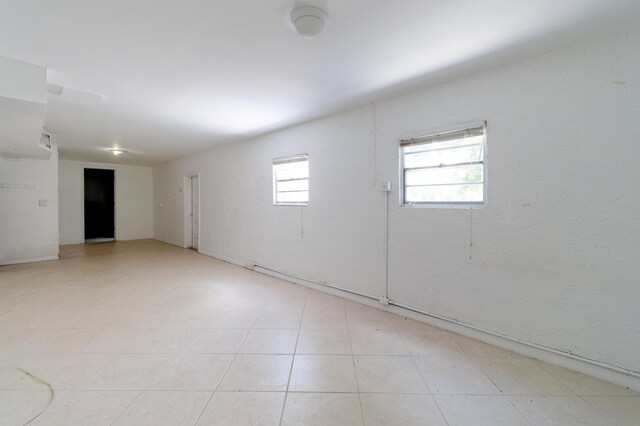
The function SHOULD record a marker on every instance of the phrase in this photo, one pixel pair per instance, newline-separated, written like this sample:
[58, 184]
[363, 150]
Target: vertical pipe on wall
[470, 232]
[375, 144]
[386, 241]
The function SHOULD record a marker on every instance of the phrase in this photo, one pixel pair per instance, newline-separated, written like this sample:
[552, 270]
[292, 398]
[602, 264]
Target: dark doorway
[99, 204]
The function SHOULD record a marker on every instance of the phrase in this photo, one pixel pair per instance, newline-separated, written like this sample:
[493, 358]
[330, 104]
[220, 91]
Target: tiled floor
[146, 333]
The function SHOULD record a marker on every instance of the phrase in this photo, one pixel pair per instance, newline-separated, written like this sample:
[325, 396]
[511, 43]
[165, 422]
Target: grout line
[415, 363]
[491, 380]
[68, 390]
[293, 358]
[555, 378]
[126, 408]
[221, 379]
[518, 411]
[439, 409]
[355, 373]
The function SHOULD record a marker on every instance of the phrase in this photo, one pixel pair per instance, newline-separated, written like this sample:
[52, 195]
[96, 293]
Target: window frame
[414, 139]
[284, 160]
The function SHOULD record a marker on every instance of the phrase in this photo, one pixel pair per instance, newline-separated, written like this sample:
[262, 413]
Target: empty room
[320, 212]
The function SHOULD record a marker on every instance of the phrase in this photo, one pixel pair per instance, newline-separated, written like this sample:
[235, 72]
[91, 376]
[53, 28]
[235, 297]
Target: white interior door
[195, 211]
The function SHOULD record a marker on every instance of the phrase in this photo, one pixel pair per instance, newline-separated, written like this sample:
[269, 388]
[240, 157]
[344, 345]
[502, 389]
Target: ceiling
[179, 77]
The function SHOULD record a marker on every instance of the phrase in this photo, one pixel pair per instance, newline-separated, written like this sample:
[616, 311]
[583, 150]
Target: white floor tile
[243, 408]
[128, 372]
[217, 341]
[584, 385]
[163, 340]
[232, 319]
[156, 408]
[324, 320]
[86, 408]
[463, 376]
[521, 376]
[194, 372]
[323, 342]
[377, 342]
[389, 374]
[322, 409]
[472, 410]
[623, 411]
[270, 341]
[431, 343]
[400, 409]
[279, 319]
[257, 373]
[559, 410]
[21, 407]
[323, 373]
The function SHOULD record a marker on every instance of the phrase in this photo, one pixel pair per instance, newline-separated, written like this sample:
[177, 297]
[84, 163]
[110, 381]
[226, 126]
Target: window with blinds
[291, 180]
[446, 168]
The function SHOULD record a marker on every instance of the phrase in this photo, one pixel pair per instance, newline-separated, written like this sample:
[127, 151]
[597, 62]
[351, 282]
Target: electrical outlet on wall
[386, 186]
[42, 203]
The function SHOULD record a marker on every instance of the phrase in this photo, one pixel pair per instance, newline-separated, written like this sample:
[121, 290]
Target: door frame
[115, 198]
[187, 206]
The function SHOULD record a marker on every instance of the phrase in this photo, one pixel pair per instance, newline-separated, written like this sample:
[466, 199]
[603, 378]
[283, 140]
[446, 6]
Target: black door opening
[99, 204]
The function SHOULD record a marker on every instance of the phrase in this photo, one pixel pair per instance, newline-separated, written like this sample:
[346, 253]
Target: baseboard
[552, 356]
[173, 243]
[28, 260]
[67, 243]
[135, 238]
[222, 258]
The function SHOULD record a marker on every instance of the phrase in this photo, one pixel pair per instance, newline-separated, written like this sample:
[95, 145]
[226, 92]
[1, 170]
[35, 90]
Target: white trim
[70, 243]
[163, 240]
[223, 258]
[28, 260]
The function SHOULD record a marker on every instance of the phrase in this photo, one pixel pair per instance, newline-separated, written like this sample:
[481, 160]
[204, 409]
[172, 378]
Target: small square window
[291, 180]
[446, 168]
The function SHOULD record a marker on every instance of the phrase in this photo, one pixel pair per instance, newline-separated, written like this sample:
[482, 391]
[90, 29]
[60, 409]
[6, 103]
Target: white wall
[23, 101]
[28, 232]
[554, 260]
[134, 198]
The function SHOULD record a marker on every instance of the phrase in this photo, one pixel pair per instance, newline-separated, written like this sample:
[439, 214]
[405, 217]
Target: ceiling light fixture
[117, 151]
[308, 20]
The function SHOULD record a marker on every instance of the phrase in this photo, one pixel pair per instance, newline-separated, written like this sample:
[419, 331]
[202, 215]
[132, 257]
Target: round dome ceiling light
[308, 20]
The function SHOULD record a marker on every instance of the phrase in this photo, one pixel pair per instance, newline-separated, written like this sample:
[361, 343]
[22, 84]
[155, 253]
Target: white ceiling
[178, 77]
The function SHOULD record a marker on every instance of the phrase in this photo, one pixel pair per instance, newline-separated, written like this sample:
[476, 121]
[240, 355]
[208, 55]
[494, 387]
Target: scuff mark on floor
[51, 393]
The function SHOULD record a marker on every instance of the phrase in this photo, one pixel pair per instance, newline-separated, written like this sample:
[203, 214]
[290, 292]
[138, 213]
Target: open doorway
[99, 205]
[192, 211]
